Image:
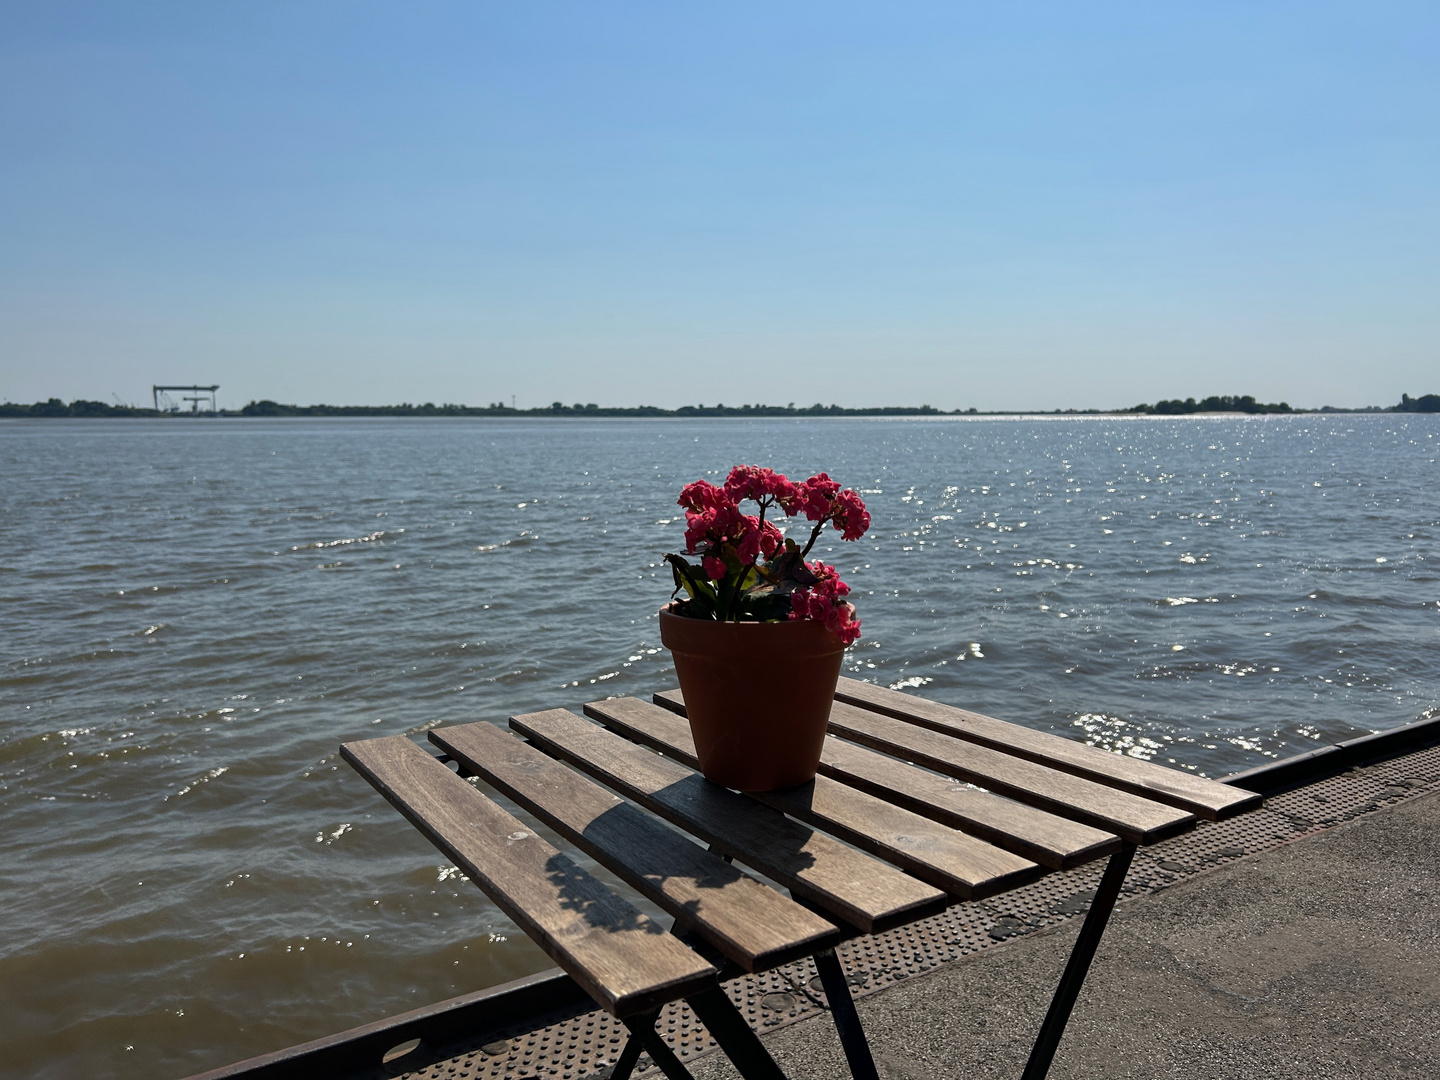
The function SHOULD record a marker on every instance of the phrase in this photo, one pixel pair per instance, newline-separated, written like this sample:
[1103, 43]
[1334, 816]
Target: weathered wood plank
[1048, 839]
[961, 865]
[862, 891]
[748, 921]
[1136, 819]
[625, 961]
[1206, 798]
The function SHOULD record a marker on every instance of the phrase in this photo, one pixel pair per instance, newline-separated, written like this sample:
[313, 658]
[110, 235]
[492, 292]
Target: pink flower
[839, 618]
[698, 527]
[748, 482]
[714, 567]
[822, 602]
[753, 482]
[702, 495]
[771, 539]
[815, 496]
[851, 517]
[822, 500]
[748, 545]
[713, 527]
[847, 624]
[827, 580]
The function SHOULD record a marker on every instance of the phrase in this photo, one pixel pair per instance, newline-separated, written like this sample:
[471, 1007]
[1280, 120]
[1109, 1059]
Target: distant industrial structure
[196, 395]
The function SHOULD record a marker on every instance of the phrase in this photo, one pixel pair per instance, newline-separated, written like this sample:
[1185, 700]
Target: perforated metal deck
[587, 1045]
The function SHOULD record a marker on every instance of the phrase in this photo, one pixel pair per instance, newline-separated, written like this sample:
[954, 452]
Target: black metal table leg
[728, 1028]
[1078, 965]
[847, 1020]
[643, 1035]
[625, 1064]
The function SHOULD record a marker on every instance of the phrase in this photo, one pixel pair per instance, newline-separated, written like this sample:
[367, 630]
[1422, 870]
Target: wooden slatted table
[918, 805]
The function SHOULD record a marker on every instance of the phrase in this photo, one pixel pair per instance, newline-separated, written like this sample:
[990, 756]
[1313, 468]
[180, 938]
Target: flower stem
[814, 535]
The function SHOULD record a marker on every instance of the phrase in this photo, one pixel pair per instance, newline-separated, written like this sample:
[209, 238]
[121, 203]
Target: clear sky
[994, 205]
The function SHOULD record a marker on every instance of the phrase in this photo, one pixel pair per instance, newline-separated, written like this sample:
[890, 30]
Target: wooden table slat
[624, 960]
[748, 921]
[961, 865]
[1136, 819]
[857, 888]
[1048, 839]
[1206, 798]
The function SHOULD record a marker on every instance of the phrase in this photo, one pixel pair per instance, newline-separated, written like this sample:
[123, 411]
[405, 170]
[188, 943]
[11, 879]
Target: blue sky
[999, 206]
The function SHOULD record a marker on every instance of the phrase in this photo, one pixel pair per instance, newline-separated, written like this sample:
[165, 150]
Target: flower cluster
[713, 520]
[824, 601]
[749, 570]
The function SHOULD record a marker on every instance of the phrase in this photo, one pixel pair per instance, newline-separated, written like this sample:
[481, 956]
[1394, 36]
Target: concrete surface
[1317, 959]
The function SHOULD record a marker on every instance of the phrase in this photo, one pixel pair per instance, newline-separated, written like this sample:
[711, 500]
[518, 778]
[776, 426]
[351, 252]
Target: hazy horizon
[760, 408]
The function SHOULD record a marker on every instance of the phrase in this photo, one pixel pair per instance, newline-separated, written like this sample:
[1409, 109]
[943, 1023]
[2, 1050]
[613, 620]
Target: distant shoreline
[1214, 406]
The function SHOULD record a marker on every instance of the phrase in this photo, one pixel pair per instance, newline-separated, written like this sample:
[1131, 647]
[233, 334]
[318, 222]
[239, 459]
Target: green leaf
[693, 581]
[768, 607]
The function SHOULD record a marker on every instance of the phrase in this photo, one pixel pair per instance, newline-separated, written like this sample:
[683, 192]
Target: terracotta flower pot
[758, 696]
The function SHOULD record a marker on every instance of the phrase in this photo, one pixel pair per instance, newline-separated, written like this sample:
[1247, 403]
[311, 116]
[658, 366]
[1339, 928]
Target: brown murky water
[196, 614]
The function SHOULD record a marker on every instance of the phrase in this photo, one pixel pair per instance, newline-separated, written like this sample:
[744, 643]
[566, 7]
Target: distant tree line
[1245, 404]
[80, 408]
[558, 408]
[1427, 403]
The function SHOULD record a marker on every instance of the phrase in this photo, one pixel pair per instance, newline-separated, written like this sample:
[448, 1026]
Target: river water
[196, 613]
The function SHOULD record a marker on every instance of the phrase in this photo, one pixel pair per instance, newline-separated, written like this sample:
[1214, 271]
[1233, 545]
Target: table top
[918, 804]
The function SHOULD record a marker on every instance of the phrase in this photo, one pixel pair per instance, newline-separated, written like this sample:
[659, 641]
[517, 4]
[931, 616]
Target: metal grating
[587, 1045]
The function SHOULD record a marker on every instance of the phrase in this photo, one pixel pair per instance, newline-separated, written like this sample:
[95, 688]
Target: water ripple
[198, 615]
